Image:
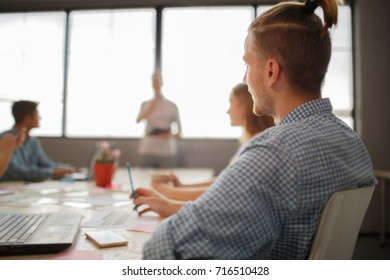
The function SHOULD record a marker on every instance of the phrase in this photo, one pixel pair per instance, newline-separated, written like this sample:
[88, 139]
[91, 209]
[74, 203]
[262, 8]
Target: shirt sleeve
[18, 169]
[176, 118]
[239, 215]
[42, 159]
[142, 110]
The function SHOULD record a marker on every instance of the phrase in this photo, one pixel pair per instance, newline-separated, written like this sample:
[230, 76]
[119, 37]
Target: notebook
[37, 233]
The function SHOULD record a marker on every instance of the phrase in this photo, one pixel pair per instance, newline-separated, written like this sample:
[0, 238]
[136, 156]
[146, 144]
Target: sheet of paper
[119, 219]
[149, 228]
[48, 187]
[95, 201]
[27, 200]
[79, 255]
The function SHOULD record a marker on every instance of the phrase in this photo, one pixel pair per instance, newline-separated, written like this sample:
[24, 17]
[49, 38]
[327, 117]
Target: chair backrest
[339, 225]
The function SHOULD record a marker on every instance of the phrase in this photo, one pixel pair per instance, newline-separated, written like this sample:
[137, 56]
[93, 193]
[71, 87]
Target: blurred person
[158, 148]
[29, 162]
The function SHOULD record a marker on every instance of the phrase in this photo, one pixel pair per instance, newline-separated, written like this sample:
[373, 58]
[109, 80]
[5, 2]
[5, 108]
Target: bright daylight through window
[110, 58]
[31, 66]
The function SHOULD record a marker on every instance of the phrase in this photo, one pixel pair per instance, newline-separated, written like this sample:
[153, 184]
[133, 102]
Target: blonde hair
[252, 124]
[295, 36]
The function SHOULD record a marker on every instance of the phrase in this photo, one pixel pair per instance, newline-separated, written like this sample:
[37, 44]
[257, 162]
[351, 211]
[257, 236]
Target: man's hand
[61, 172]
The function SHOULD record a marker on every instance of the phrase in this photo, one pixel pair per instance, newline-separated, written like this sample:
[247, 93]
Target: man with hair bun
[267, 204]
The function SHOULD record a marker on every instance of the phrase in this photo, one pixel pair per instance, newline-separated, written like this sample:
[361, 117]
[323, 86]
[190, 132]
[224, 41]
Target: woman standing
[158, 148]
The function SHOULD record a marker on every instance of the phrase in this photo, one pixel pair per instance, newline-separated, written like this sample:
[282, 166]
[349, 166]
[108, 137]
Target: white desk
[50, 202]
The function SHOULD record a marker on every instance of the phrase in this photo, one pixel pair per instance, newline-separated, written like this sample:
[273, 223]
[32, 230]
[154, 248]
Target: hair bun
[310, 6]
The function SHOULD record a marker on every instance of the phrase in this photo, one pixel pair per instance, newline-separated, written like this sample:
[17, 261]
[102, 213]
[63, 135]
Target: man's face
[34, 120]
[255, 79]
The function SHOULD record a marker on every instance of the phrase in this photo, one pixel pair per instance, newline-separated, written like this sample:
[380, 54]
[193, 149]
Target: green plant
[107, 155]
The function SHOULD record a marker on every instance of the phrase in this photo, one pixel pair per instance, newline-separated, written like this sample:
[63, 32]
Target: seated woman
[241, 114]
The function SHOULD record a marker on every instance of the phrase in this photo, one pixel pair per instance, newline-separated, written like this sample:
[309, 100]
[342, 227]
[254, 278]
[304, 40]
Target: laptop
[85, 173]
[23, 234]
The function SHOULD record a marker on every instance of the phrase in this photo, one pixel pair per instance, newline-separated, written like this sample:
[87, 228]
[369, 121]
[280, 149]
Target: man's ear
[273, 71]
[26, 119]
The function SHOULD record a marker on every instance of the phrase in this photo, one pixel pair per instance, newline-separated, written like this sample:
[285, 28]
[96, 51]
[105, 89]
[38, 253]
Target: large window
[338, 85]
[31, 66]
[202, 61]
[111, 60]
[100, 78]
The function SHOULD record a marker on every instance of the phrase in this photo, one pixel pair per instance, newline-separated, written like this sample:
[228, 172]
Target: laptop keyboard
[19, 228]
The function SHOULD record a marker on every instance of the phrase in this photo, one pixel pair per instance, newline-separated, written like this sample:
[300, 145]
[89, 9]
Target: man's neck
[290, 102]
[20, 126]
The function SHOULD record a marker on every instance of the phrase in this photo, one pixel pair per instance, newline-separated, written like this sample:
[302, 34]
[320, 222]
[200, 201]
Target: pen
[131, 185]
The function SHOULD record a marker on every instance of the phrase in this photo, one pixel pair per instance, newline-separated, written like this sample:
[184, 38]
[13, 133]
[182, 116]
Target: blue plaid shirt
[29, 162]
[267, 204]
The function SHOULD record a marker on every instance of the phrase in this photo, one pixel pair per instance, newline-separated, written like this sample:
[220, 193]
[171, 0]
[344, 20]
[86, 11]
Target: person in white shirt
[158, 148]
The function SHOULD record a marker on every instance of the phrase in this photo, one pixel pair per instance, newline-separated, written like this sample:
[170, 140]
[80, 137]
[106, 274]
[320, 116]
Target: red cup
[103, 173]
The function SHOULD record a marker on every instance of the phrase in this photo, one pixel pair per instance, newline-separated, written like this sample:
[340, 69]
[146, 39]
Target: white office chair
[339, 224]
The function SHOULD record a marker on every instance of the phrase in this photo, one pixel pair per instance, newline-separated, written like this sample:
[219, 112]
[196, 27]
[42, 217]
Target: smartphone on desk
[106, 238]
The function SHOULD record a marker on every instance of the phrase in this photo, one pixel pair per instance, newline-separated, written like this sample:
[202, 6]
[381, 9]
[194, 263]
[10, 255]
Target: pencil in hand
[131, 185]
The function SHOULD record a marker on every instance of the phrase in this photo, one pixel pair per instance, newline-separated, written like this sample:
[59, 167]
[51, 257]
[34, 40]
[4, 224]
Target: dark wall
[372, 68]
[208, 153]
[372, 61]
